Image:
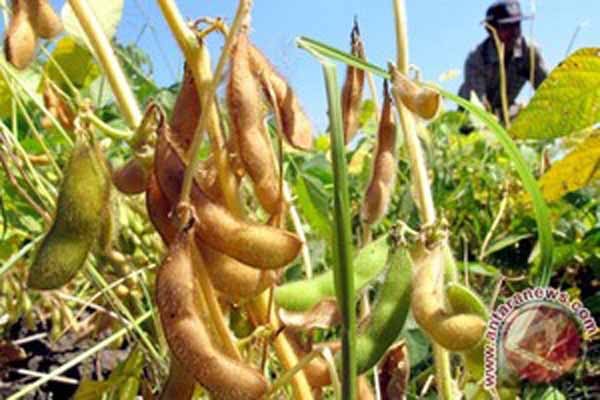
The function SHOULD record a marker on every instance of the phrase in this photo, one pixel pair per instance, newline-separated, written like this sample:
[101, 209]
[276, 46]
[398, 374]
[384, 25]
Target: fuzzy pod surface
[80, 210]
[179, 385]
[463, 300]
[259, 246]
[297, 127]
[188, 338]
[132, 177]
[379, 191]
[352, 89]
[247, 116]
[453, 331]
[46, 23]
[423, 102]
[388, 315]
[20, 38]
[304, 294]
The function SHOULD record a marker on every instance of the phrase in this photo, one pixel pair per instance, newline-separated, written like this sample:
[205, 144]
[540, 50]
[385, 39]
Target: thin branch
[108, 60]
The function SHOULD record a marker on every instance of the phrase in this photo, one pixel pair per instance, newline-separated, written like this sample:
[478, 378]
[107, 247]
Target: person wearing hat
[522, 63]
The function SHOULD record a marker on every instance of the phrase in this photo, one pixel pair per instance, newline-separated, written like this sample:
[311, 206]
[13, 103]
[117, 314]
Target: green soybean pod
[302, 295]
[78, 222]
[464, 300]
[389, 313]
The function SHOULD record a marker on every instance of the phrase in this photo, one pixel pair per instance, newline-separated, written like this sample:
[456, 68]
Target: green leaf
[505, 242]
[75, 61]
[124, 379]
[107, 12]
[313, 203]
[577, 170]
[568, 100]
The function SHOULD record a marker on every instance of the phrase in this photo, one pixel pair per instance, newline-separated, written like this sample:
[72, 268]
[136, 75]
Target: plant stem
[102, 49]
[198, 60]
[420, 180]
[259, 309]
[342, 237]
[111, 132]
[289, 374]
[213, 306]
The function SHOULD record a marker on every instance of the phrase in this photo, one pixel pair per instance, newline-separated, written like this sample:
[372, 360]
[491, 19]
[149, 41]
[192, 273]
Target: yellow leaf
[76, 62]
[358, 159]
[577, 170]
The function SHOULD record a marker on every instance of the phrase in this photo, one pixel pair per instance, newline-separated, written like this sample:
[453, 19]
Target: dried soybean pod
[455, 332]
[388, 315]
[234, 279]
[464, 300]
[247, 117]
[180, 385]
[188, 338]
[45, 21]
[20, 40]
[186, 111]
[131, 177]
[304, 294]
[353, 87]
[228, 276]
[159, 210]
[78, 222]
[381, 185]
[258, 246]
[422, 101]
[297, 128]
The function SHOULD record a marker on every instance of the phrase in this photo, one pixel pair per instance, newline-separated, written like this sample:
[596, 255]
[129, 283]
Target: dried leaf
[324, 315]
[394, 372]
[10, 352]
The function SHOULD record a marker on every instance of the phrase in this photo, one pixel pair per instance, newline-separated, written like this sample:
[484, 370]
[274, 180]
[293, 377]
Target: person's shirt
[482, 73]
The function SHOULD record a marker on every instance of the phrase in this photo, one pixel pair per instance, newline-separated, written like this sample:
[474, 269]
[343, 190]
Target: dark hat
[505, 12]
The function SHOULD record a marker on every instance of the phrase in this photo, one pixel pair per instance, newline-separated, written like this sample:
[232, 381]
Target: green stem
[111, 132]
[421, 181]
[102, 49]
[342, 238]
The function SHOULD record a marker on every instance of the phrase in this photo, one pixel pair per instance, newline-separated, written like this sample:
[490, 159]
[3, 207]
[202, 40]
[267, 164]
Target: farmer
[522, 63]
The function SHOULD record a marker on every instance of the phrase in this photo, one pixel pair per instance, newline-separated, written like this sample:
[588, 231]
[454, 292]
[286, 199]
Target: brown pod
[381, 185]
[180, 385]
[258, 246]
[247, 116]
[353, 88]
[176, 291]
[297, 128]
[159, 210]
[20, 40]
[455, 332]
[131, 177]
[186, 112]
[235, 280]
[46, 23]
[229, 276]
[58, 107]
[422, 101]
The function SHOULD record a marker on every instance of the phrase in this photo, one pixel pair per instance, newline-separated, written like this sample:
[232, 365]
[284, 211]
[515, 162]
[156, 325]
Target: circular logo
[540, 342]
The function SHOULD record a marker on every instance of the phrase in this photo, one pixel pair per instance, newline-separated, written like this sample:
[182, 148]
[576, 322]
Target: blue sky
[441, 32]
